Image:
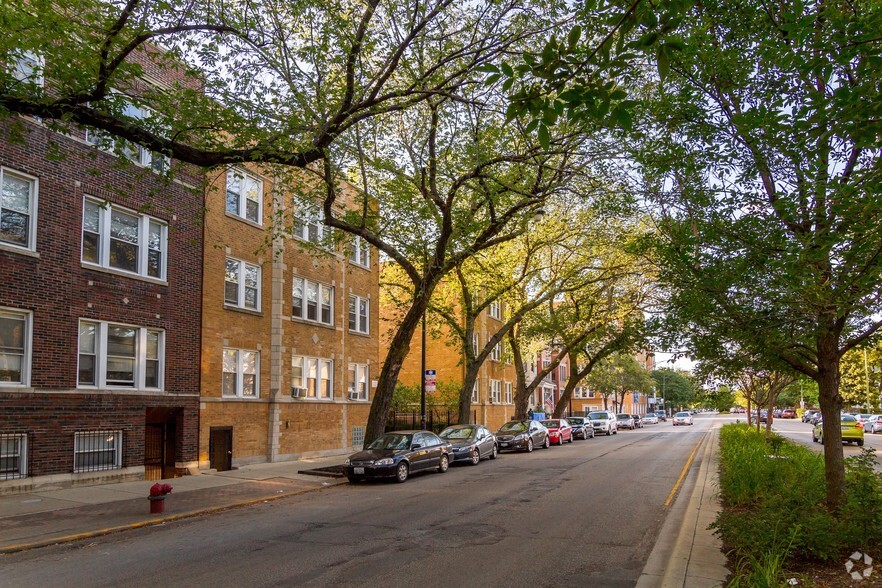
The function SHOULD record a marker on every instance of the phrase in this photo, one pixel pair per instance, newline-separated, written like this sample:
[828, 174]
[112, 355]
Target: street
[800, 432]
[587, 514]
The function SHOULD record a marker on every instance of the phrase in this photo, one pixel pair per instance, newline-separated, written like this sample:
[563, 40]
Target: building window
[495, 391]
[312, 301]
[359, 314]
[27, 67]
[245, 196]
[14, 348]
[242, 284]
[475, 343]
[358, 381]
[496, 353]
[241, 369]
[13, 456]
[120, 356]
[119, 239]
[361, 252]
[308, 226]
[97, 450]
[475, 393]
[564, 372]
[18, 209]
[134, 153]
[495, 310]
[312, 377]
[508, 395]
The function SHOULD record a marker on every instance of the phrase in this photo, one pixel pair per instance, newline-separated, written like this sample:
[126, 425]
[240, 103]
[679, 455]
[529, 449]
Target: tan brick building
[289, 336]
[493, 397]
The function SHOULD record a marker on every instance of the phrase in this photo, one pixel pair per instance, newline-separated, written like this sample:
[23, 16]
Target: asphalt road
[801, 432]
[585, 514]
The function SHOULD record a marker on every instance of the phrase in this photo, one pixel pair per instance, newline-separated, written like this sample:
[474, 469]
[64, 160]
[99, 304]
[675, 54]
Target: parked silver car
[625, 421]
[650, 418]
[604, 421]
[683, 418]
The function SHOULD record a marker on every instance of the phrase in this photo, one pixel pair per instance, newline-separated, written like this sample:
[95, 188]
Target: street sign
[636, 395]
[430, 380]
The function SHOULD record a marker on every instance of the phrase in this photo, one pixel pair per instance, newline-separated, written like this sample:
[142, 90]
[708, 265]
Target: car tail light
[859, 425]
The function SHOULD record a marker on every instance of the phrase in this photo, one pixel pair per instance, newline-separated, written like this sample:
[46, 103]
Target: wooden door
[220, 448]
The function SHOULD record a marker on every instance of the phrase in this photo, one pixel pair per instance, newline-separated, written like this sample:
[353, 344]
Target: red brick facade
[58, 289]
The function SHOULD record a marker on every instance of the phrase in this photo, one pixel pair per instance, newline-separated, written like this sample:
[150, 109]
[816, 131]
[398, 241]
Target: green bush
[774, 497]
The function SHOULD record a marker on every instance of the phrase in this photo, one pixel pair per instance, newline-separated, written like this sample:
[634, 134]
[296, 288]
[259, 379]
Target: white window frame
[564, 372]
[475, 342]
[241, 285]
[133, 152]
[496, 353]
[117, 450]
[361, 252]
[100, 360]
[240, 359]
[33, 193]
[27, 338]
[495, 391]
[495, 310]
[475, 393]
[308, 226]
[508, 393]
[304, 310]
[358, 322]
[318, 390]
[27, 67]
[104, 232]
[359, 380]
[243, 196]
[19, 442]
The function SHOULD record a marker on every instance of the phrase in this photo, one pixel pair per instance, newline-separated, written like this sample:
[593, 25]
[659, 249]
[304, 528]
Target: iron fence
[437, 419]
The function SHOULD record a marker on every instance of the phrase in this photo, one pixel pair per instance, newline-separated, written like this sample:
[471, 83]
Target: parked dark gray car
[582, 428]
[522, 436]
[397, 455]
[471, 443]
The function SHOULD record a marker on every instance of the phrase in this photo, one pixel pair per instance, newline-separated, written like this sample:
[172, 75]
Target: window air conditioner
[298, 392]
[353, 396]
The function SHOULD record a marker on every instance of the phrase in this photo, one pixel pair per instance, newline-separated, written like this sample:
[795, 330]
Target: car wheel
[530, 445]
[476, 456]
[814, 439]
[616, 431]
[860, 442]
[444, 464]
[401, 473]
[570, 440]
[547, 442]
[494, 452]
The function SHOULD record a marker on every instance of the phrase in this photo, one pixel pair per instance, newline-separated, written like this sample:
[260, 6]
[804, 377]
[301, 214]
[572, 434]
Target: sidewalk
[57, 516]
[686, 555]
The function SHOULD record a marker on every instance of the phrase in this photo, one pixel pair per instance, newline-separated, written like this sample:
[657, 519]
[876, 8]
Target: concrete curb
[161, 520]
[692, 557]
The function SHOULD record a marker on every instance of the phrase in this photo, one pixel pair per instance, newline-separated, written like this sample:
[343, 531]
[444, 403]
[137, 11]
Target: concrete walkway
[686, 554]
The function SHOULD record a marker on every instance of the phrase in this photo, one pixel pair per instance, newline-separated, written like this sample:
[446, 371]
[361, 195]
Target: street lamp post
[423, 379]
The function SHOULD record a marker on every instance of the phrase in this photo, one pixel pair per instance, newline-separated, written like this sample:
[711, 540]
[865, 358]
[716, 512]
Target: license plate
[503, 444]
[357, 470]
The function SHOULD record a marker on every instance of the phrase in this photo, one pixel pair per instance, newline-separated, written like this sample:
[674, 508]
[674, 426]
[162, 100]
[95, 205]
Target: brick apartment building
[100, 295]
[493, 395]
[290, 323]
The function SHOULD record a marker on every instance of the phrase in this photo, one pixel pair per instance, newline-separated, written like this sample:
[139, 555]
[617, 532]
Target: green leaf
[574, 36]
[492, 79]
[663, 63]
[507, 70]
[623, 118]
[544, 137]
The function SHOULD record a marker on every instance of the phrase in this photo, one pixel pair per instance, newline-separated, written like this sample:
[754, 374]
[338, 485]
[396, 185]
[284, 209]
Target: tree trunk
[521, 397]
[749, 407]
[398, 350]
[831, 407]
[567, 395]
[465, 393]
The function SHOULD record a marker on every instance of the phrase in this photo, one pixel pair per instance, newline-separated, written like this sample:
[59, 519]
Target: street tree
[760, 154]
[674, 387]
[862, 377]
[617, 376]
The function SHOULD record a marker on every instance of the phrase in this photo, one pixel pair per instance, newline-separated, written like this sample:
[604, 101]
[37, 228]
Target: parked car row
[398, 454]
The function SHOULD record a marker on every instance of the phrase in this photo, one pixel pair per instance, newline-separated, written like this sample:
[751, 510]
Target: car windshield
[660, 412]
[623, 417]
[551, 424]
[391, 441]
[513, 427]
[847, 418]
[577, 420]
[602, 416]
[682, 414]
[458, 433]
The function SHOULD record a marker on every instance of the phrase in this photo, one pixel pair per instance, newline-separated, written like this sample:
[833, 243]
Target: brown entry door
[154, 445]
[220, 448]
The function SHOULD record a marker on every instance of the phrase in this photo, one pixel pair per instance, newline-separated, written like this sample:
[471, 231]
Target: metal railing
[437, 419]
[97, 450]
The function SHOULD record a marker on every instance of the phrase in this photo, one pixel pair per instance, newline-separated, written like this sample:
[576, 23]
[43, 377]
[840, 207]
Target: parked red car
[788, 413]
[559, 430]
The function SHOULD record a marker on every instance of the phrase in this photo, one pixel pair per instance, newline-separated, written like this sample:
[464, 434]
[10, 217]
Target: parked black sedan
[582, 428]
[471, 443]
[522, 435]
[397, 455]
